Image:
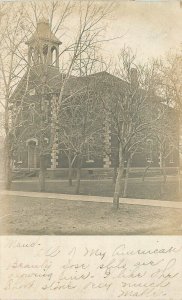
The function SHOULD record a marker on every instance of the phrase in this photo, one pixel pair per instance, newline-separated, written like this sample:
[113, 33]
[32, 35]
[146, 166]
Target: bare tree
[17, 27]
[171, 74]
[86, 66]
[87, 39]
[128, 165]
[132, 110]
[11, 66]
[81, 129]
[88, 36]
[166, 132]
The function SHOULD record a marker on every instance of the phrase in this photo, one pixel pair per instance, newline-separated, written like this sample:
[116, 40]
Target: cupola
[43, 46]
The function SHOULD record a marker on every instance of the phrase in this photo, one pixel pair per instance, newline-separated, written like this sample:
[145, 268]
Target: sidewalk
[86, 198]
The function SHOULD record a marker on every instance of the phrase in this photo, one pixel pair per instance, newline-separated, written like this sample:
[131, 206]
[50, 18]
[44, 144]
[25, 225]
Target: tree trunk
[42, 174]
[8, 143]
[145, 171]
[117, 190]
[70, 176]
[70, 171]
[7, 163]
[163, 172]
[127, 176]
[115, 174]
[78, 176]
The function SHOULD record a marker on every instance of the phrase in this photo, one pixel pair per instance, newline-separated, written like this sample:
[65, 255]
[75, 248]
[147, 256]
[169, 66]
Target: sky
[150, 27]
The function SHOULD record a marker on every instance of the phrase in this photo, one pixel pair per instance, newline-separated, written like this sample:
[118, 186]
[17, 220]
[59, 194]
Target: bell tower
[43, 46]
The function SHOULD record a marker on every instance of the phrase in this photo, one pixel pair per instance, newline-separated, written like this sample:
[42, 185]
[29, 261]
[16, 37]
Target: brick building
[39, 88]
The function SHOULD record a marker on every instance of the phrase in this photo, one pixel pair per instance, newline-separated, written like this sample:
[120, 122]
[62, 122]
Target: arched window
[38, 58]
[32, 112]
[45, 52]
[54, 56]
[32, 156]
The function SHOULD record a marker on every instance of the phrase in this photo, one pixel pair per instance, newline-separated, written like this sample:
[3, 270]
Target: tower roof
[43, 32]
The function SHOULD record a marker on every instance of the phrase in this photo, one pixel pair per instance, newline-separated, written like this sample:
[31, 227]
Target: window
[45, 52]
[149, 151]
[89, 154]
[46, 140]
[32, 112]
[32, 141]
[38, 58]
[45, 109]
[90, 172]
[54, 56]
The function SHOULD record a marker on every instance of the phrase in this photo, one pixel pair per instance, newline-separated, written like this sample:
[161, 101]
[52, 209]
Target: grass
[149, 189]
[26, 215]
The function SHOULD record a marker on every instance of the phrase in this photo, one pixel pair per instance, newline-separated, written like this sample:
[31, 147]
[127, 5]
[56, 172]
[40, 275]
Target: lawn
[26, 215]
[149, 189]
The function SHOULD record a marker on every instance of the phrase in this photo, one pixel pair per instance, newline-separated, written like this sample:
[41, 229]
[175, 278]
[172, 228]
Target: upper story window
[54, 56]
[32, 112]
[89, 150]
[45, 52]
[45, 110]
[38, 58]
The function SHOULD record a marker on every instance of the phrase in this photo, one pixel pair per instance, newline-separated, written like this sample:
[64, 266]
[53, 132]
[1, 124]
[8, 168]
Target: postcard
[91, 149]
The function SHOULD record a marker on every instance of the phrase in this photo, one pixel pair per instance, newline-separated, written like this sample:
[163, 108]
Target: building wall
[107, 159]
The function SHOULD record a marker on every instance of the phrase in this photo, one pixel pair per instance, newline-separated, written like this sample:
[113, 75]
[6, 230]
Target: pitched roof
[97, 81]
[51, 79]
[48, 80]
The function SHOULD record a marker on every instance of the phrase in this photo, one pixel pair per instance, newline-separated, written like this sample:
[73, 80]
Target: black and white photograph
[90, 117]
[90, 149]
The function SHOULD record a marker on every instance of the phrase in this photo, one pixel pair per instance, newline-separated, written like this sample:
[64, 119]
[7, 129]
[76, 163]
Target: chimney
[134, 77]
